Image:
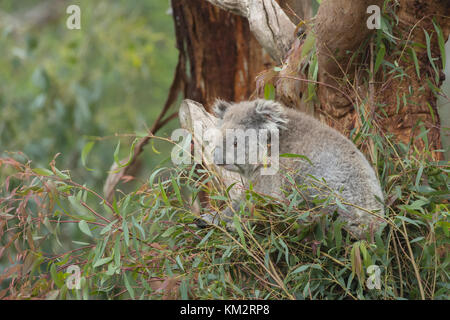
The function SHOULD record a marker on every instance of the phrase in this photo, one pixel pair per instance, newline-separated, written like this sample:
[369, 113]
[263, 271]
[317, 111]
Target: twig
[117, 174]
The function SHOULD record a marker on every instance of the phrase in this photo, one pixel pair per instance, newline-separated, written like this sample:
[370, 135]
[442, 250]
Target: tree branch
[117, 174]
[268, 22]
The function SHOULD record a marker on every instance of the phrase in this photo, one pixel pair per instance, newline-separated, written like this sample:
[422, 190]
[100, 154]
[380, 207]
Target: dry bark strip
[268, 22]
[224, 57]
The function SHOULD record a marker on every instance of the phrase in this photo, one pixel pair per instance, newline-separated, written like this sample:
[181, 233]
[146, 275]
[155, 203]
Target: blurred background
[61, 88]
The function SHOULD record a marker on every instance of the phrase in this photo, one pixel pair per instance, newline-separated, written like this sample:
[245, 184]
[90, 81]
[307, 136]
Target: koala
[332, 158]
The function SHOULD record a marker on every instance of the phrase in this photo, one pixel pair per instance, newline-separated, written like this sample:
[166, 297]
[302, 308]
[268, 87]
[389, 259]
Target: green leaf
[184, 289]
[108, 227]
[116, 155]
[220, 198]
[60, 174]
[269, 92]
[81, 243]
[85, 152]
[306, 289]
[340, 205]
[177, 190]
[419, 175]
[441, 42]
[117, 252]
[55, 276]
[164, 195]
[85, 228]
[206, 237]
[308, 45]
[237, 225]
[416, 61]
[43, 172]
[168, 232]
[430, 57]
[139, 227]
[48, 225]
[180, 264]
[301, 268]
[128, 286]
[312, 75]
[380, 57]
[152, 144]
[292, 155]
[130, 155]
[408, 220]
[417, 239]
[338, 234]
[367, 259]
[102, 261]
[153, 176]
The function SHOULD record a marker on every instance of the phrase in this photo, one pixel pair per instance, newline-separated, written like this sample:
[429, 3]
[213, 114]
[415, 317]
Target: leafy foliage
[145, 245]
[62, 89]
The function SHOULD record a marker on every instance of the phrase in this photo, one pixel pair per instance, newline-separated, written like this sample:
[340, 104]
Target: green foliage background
[60, 88]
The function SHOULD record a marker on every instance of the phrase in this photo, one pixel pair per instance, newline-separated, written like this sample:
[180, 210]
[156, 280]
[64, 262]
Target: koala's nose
[218, 156]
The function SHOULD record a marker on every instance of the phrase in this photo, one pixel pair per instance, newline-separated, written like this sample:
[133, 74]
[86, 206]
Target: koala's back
[336, 160]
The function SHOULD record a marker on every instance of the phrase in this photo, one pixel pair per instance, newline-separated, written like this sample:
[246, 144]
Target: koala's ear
[272, 113]
[220, 107]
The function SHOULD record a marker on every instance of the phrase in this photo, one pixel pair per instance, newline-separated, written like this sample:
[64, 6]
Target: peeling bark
[223, 56]
[268, 23]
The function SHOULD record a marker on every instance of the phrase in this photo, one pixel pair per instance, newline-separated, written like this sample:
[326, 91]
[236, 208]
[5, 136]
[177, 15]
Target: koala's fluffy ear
[272, 114]
[220, 107]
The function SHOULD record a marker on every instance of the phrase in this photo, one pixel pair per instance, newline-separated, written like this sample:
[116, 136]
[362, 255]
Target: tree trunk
[223, 56]
[224, 60]
[407, 100]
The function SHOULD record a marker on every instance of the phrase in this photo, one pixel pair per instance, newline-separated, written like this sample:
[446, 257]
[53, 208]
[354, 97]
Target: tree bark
[341, 29]
[421, 102]
[223, 56]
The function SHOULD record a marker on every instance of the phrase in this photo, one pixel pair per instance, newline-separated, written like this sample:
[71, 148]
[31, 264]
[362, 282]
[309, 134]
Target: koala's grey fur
[334, 158]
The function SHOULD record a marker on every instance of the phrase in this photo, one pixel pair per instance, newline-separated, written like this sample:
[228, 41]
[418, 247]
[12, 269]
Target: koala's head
[247, 130]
